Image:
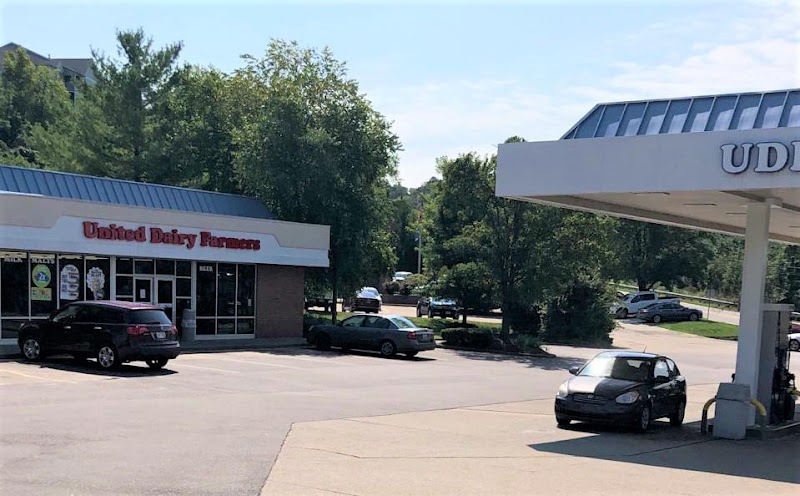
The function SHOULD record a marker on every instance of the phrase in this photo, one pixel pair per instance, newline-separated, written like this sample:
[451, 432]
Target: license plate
[161, 335]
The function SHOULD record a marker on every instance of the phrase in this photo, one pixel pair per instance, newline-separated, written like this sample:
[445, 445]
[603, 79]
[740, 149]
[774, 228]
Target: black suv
[111, 331]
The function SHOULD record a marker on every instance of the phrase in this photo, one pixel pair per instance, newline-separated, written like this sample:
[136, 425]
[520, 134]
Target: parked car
[113, 332]
[319, 301]
[366, 300]
[633, 302]
[401, 275]
[626, 388]
[443, 307]
[794, 341]
[794, 322]
[668, 311]
[389, 334]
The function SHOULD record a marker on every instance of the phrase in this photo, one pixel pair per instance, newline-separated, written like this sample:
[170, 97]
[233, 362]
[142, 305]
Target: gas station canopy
[692, 162]
[724, 163]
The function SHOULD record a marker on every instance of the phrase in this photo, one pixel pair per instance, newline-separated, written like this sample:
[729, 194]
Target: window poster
[96, 282]
[70, 282]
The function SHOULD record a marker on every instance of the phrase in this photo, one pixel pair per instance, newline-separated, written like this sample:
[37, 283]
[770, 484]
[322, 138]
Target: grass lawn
[704, 328]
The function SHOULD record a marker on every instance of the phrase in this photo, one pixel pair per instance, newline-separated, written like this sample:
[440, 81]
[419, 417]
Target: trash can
[732, 411]
[189, 325]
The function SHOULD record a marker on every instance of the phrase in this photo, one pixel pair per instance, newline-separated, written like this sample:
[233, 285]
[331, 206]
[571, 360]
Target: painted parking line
[251, 362]
[183, 364]
[40, 378]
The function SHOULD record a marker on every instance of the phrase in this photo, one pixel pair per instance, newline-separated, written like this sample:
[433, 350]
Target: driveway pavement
[516, 449]
[213, 423]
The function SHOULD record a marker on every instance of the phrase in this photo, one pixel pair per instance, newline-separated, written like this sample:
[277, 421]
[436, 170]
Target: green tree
[651, 253]
[130, 94]
[30, 96]
[316, 151]
[196, 124]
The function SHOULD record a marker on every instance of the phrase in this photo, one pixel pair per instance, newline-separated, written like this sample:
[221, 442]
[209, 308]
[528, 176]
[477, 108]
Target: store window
[206, 289]
[124, 266]
[165, 267]
[14, 284]
[226, 292]
[225, 298]
[144, 267]
[246, 289]
[43, 293]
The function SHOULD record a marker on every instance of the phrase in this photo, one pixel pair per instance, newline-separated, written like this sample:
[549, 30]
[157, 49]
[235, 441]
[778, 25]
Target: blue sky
[462, 76]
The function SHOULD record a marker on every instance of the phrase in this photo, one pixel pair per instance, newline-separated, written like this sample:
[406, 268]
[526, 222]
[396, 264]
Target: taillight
[173, 330]
[411, 335]
[137, 330]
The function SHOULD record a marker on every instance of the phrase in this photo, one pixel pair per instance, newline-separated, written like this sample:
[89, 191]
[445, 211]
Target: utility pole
[419, 251]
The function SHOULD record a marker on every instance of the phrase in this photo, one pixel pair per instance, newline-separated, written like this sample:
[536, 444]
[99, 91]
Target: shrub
[392, 287]
[480, 338]
[580, 315]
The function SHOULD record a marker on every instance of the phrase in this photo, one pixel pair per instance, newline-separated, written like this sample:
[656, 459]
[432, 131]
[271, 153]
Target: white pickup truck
[631, 303]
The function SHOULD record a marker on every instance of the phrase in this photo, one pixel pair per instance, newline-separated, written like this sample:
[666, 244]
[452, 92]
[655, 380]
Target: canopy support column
[754, 273]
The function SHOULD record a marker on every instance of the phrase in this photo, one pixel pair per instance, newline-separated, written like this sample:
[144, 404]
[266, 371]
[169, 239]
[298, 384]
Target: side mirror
[660, 379]
[574, 370]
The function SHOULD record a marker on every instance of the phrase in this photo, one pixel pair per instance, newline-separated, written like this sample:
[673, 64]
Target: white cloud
[451, 117]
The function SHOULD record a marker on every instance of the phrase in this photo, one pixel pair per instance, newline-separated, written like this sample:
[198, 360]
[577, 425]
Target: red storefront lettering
[93, 230]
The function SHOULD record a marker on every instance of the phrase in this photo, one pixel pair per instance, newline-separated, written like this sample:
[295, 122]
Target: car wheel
[430, 313]
[388, 349]
[644, 419]
[656, 319]
[323, 342]
[419, 312]
[157, 363]
[411, 354]
[107, 357]
[31, 349]
[676, 417]
[693, 317]
[623, 313]
[794, 345]
[563, 421]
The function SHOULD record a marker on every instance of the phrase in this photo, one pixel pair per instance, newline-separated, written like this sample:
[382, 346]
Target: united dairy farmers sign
[761, 157]
[157, 235]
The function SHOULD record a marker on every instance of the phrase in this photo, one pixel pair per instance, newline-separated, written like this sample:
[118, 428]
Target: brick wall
[279, 301]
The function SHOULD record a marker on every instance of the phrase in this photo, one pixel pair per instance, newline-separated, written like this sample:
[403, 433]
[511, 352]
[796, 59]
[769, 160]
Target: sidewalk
[516, 449]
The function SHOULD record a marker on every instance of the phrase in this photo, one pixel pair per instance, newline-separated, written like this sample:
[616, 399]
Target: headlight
[628, 398]
[563, 391]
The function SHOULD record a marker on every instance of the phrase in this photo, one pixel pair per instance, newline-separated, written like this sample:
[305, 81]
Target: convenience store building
[69, 237]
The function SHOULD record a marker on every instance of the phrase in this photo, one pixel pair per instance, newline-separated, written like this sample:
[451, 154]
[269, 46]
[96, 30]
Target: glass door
[165, 295]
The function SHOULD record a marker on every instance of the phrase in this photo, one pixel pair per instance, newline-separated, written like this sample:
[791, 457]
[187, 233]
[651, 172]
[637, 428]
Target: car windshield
[148, 317]
[627, 297]
[623, 368]
[402, 323]
[371, 291]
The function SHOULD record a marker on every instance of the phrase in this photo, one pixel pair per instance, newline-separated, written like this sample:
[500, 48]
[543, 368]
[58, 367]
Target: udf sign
[770, 156]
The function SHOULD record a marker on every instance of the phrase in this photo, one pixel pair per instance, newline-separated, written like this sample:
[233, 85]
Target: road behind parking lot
[213, 423]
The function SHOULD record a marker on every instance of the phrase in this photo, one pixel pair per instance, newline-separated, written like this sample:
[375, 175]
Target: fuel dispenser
[776, 384]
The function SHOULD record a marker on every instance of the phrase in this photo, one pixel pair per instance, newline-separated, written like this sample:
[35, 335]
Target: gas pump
[776, 384]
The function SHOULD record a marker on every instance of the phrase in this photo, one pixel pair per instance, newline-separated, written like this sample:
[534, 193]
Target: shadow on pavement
[685, 449]
[332, 354]
[90, 367]
[544, 363]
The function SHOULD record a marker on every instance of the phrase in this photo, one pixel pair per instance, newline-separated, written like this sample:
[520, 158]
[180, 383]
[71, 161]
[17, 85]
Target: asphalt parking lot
[213, 423]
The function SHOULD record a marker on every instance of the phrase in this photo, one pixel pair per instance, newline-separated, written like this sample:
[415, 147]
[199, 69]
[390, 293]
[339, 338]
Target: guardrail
[684, 296]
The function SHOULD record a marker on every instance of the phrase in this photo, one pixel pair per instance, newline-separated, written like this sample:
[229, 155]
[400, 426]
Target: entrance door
[165, 295]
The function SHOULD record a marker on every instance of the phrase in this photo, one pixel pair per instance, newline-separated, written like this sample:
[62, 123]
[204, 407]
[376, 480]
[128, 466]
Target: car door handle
[67, 327]
[97, 328]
